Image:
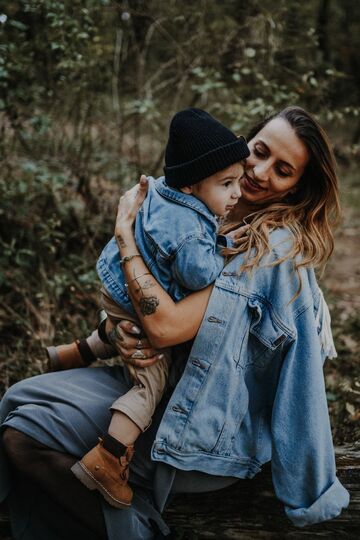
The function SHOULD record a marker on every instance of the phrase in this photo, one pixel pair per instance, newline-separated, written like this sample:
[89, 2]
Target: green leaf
[18, 25]
[331, 396]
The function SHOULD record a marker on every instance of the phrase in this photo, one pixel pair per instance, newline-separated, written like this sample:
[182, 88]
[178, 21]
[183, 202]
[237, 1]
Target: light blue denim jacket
[177, 236]
[253, 389]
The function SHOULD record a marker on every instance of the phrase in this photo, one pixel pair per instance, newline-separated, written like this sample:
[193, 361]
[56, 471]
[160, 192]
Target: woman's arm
[165, 322]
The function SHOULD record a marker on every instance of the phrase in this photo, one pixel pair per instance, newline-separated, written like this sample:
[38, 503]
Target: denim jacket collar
[183, 198]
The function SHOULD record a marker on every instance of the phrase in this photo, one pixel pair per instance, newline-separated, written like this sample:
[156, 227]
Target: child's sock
[123, 429]
[80, 353]
[99, 348]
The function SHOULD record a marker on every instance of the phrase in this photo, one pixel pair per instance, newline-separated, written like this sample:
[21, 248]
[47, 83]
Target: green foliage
[49, 47]
[128, 61]
[49, 242]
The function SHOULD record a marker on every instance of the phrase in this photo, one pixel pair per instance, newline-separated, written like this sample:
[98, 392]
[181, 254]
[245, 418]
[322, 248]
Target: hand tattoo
[114, 336]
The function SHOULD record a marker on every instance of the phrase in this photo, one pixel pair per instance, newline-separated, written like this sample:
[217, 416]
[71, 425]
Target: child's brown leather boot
[106, 468]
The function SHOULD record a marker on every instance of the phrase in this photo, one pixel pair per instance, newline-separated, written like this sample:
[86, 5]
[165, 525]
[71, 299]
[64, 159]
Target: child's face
[221, 191]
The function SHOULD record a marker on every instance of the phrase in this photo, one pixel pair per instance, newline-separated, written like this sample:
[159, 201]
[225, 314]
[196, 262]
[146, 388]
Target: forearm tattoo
[147, 304]
[121, 241]
[148, 284]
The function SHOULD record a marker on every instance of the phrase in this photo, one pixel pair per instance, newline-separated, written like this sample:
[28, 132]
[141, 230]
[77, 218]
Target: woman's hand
[135, 350]
[129, 205]
[239, 235]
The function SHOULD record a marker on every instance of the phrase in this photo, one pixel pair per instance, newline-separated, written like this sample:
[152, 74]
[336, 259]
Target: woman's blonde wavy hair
[309, 213]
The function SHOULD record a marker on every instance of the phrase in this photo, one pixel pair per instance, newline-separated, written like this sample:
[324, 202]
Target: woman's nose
[262, 171]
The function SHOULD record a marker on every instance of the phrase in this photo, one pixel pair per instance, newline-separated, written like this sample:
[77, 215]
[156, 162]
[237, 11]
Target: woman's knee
[7, 403]
[18, 447]
[16, 395]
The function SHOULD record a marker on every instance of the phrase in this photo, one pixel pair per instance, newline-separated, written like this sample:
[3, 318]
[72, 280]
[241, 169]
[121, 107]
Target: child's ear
[187, 189]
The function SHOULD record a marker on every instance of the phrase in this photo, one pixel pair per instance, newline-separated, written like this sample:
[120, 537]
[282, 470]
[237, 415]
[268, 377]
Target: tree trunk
[322, 29]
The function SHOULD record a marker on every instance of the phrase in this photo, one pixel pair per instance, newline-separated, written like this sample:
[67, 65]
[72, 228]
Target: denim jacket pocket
[265, 336]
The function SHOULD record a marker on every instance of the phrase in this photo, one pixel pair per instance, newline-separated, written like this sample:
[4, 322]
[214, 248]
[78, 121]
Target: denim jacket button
[197, 363]
[177, 408]
[213, 319]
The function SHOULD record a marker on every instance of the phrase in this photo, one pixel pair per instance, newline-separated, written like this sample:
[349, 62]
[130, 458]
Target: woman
[254, 374]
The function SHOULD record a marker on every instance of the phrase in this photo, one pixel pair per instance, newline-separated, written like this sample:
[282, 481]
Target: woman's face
[276, 163]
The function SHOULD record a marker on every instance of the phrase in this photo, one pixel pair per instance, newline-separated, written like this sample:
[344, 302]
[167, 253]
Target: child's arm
[165, 322]
[198, 262]
[239, 235]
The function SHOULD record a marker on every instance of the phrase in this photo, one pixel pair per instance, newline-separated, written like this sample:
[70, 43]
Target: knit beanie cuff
[192, 172]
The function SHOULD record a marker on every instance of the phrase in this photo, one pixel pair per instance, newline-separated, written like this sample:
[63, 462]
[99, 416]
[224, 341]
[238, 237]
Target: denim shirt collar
[184, 199]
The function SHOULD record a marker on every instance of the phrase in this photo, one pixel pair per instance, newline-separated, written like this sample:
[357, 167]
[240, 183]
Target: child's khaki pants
[140, 401]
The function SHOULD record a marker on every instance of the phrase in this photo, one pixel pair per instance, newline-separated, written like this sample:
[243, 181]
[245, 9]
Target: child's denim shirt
[177, 236]
[253, 388]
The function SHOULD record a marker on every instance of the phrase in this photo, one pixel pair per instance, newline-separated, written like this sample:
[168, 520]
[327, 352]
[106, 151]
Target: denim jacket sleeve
[197, 262]
[303, 462]
[224, 241]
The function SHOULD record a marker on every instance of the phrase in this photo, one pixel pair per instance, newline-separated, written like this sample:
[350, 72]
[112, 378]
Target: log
[5, 533]
[250, 510]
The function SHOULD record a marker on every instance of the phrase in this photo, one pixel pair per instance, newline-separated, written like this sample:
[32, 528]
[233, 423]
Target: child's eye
[228, 183]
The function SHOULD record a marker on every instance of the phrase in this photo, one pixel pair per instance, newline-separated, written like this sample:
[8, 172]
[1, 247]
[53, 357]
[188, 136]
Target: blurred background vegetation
[87, 89]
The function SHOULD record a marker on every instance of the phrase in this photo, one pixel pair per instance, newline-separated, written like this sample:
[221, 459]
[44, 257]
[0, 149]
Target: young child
[177, 234]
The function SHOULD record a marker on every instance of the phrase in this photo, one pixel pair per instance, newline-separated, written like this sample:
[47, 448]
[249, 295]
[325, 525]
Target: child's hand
[239, 235]
[129, 205]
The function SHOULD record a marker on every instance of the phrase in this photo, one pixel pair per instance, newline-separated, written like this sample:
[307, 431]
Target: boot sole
[86, 478]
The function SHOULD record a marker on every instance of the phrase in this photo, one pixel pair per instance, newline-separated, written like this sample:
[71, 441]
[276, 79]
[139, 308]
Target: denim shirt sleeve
[303, 462]
[197, 262]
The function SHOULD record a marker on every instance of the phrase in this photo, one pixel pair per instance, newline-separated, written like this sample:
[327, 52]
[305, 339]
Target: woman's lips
[251, 185]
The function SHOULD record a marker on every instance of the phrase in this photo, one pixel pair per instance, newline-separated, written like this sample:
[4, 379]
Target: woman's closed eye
[260, 152]
[283, 173]
[263, 153]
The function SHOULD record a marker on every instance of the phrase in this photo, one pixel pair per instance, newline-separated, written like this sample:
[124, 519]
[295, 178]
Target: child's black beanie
[199, 146]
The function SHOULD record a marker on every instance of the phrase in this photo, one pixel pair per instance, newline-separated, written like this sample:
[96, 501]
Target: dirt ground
[342, 275]
[341, 285]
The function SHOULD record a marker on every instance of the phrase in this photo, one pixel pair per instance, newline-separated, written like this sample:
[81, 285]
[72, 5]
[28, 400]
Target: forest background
[87, 89]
